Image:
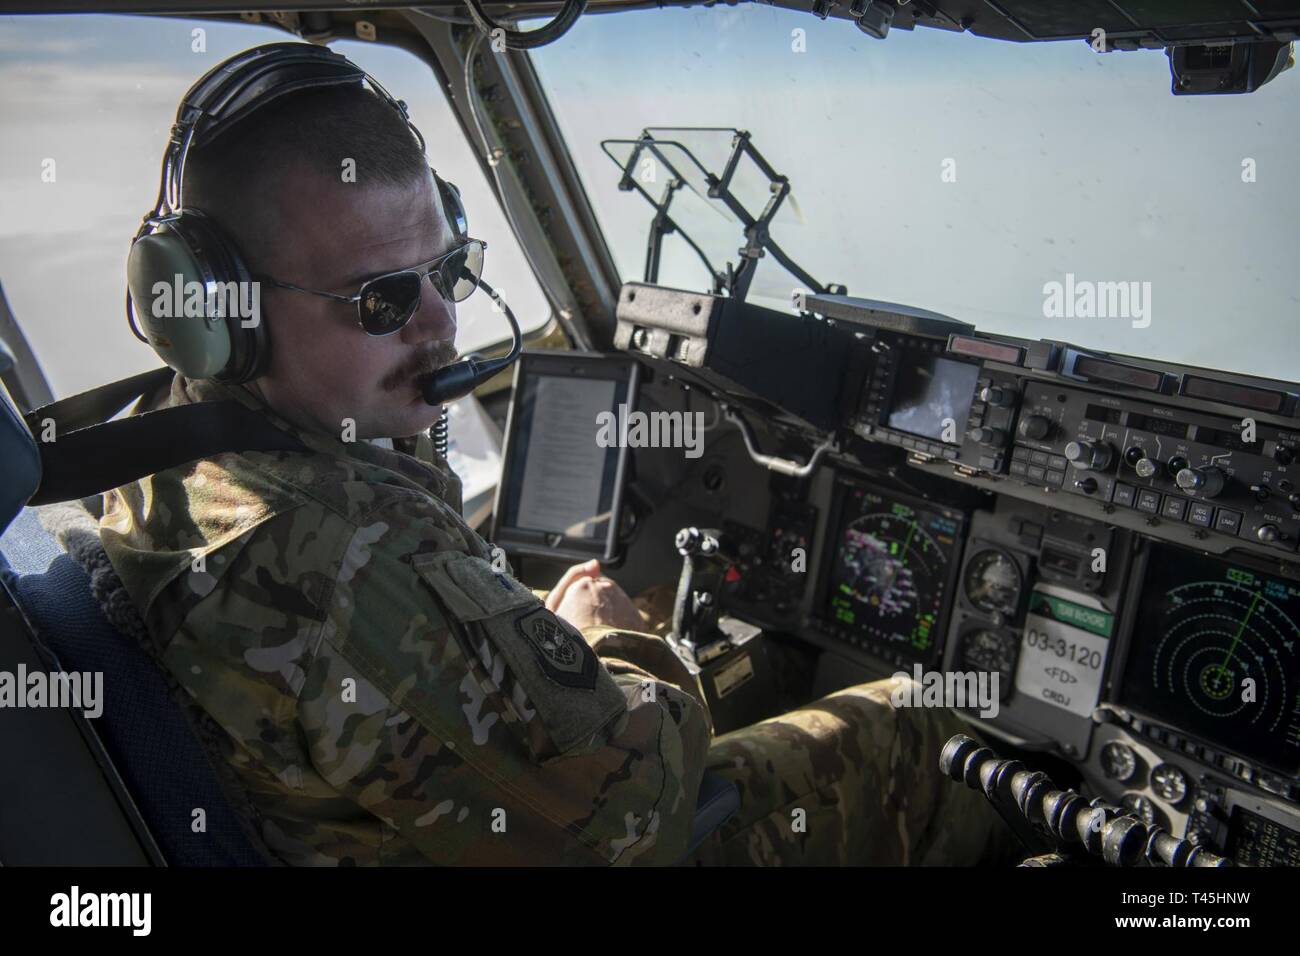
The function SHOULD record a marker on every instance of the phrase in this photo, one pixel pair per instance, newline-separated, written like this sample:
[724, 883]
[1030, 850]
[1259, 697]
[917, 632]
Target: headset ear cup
[249, 339]
[182, 256]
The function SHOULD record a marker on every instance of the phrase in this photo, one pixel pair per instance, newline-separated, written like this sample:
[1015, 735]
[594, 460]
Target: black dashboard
[1111, 542]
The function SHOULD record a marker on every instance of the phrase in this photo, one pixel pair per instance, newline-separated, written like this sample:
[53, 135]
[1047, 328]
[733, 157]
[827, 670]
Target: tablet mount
[744, 170]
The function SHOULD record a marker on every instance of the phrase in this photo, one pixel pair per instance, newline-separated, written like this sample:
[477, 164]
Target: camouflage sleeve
[642, 657]
[446, 700]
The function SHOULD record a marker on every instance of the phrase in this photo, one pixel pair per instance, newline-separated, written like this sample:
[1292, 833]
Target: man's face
[324, 368]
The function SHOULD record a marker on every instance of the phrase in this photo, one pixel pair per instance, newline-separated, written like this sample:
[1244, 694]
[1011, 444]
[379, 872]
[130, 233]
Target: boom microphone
[460, 378]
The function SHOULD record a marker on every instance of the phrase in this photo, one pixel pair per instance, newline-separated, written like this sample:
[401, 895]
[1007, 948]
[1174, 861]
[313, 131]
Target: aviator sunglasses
[387, 302]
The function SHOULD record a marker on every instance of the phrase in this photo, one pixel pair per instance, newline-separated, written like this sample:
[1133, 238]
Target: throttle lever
[1064, 816]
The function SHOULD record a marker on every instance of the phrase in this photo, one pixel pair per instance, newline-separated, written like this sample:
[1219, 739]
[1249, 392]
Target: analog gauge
[1142, 808]
[992, 652]
[1169, 783]
[1118, 761]
[992, 583]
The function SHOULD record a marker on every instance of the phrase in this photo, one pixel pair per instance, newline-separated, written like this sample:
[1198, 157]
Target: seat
[719, 799]
[119, 789]
[152, 746]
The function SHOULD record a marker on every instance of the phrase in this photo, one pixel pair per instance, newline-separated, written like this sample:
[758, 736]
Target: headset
[177, 241]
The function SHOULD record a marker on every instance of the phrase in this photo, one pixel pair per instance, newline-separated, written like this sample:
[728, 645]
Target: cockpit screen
[1215, 651]
[932, 396]
[891, 570]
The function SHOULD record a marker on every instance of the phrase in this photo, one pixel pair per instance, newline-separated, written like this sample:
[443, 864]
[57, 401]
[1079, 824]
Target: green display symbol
[1217, 681]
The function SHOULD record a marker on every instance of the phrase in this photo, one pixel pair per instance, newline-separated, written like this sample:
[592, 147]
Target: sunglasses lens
[387, 303]
[462, 270]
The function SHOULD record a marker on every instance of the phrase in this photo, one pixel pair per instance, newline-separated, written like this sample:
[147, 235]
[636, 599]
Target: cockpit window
[1040, 190]
[86, 104]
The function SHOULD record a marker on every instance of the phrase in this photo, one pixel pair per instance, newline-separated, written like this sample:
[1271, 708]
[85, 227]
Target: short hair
[236, 177]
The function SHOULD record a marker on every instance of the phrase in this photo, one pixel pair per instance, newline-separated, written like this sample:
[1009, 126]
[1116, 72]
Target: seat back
[120, 788]
[20, 475]
[61, 801]
[150, 742]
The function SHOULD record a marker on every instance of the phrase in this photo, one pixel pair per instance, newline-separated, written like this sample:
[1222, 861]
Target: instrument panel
[1113, 538]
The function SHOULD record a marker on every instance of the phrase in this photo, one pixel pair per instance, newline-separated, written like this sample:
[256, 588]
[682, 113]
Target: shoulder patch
[564, 655]
[572, 695]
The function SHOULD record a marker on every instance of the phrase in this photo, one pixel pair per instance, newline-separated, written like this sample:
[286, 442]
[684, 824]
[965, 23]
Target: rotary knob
[1035, 427]
[997, 397]
[1089, 455]
[1268, 533]
[987, 436]
[1147, 467]
[1207, 481]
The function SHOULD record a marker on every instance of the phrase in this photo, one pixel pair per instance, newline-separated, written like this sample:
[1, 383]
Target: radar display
[1215, 651]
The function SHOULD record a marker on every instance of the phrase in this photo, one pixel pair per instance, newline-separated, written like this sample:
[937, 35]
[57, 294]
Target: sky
[1066, 162]
[1062, 161]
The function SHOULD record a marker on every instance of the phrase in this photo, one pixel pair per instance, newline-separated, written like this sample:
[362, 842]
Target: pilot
[387, 694]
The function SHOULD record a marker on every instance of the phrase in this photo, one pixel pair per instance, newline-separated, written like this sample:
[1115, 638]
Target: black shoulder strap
[90, 455]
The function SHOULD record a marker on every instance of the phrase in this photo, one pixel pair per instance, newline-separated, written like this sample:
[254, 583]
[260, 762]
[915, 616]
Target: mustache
[436, 356]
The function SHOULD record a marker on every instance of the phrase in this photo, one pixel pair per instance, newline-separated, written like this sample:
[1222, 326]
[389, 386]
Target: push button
[1200, 514]
[1229, 522]
[1124, 495]
[1148, 501]
[1037, 473]
[1174, 508]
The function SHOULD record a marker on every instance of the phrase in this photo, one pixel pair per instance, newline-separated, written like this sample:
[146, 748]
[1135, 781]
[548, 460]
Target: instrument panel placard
[1063, 651]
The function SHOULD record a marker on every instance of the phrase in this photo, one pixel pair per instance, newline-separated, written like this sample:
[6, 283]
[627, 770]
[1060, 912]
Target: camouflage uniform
[851, 779]
[391, 698]
[388, 696]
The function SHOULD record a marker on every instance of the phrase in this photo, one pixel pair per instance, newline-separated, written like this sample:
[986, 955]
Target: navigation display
[1215, 652]
[891, 571]
[929, 392]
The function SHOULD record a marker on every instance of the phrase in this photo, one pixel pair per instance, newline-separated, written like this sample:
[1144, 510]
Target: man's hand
[586, 599]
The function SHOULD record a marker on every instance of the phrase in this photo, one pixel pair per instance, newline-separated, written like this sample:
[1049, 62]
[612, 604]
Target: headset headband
[175, 241]
[234, 89]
